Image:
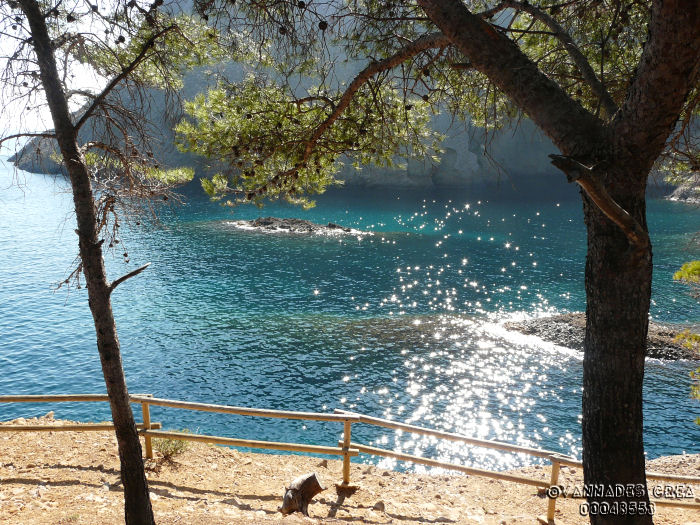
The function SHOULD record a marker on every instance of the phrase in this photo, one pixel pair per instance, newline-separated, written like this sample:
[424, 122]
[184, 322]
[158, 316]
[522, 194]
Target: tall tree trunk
[137, 504]
[618, 292]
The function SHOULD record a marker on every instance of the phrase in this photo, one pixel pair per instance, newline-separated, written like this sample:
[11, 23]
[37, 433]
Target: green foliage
[185, 43]
[689, 273]
[265, 134]
[260, 128]
[692, 342]
[695, 388]
[689, 340]
[170, 177]
[169, 448]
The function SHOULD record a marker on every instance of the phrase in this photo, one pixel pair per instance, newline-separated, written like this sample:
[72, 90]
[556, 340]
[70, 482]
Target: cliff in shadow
[515, 159]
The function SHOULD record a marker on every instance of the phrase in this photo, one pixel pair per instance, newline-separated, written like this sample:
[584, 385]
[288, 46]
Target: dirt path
[72, 478]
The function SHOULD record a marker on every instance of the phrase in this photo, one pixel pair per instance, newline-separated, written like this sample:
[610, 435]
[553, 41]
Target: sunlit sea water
[403, 324]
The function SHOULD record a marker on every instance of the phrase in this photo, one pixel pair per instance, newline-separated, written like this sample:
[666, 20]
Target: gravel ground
[73, 478]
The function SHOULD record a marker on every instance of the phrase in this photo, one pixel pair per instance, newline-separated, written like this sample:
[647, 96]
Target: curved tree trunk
[137, 503]
[618, 265]
[618, 292]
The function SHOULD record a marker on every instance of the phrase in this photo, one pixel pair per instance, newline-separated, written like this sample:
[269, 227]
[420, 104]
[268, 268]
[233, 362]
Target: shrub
[169, 448]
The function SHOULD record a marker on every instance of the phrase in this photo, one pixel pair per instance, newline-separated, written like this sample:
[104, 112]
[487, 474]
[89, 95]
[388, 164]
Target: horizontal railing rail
[241, 411]
[556, 459]
[656, 476]
[248, 443]
[486, 443]
[59, 398]
[365, 449]
[79, 427]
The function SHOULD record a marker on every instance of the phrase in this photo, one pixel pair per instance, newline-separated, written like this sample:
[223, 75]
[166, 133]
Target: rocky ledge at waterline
[569, 330]
[280, 225]
[688, 192]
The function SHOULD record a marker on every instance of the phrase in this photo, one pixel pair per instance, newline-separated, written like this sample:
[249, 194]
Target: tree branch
[31, 135]
[668, 70]
[127, 276]
[570, 126]
[572, 49]
[126, 71]
[422, 43]
[104, 147]
[588, 179]
[419, 45]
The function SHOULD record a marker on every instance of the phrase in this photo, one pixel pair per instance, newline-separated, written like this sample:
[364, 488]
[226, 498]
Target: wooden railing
[150, 430]
[345, 448]
[346, 451]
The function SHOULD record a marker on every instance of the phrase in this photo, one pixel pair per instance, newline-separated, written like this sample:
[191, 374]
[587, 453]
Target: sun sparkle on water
[394, 328]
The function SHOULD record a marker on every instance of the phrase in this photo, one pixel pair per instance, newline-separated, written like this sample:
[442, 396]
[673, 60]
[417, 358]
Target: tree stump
[300, 493]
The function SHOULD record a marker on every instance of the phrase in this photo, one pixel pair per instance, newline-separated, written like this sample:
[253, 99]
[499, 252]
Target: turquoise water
[402, 324]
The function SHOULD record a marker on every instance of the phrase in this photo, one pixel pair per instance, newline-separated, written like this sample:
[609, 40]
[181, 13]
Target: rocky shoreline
[291, 225]
[688, 193]
[568, 330]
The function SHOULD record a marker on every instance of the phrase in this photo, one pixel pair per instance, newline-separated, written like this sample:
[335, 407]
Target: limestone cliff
[517, 158]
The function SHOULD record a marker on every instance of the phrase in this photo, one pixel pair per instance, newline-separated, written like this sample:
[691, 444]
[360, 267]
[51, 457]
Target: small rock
[49, 415]
[40, 491]
[379, 506]
[386, 474]
[323, 463]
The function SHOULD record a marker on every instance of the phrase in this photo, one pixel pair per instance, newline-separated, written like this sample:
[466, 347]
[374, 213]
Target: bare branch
[127, 276]
[104, 147]
[465, 66]
[126, 71]
[27, 135]
[587, 178]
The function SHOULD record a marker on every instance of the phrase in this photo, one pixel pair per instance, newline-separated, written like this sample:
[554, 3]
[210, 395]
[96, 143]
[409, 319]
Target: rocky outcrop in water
[291, 225]
[689, 193]
[569, 330]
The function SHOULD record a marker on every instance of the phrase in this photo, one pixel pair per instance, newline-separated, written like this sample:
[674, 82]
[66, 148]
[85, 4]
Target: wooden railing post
[346, 449]
[553, 480]
[146, 411]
